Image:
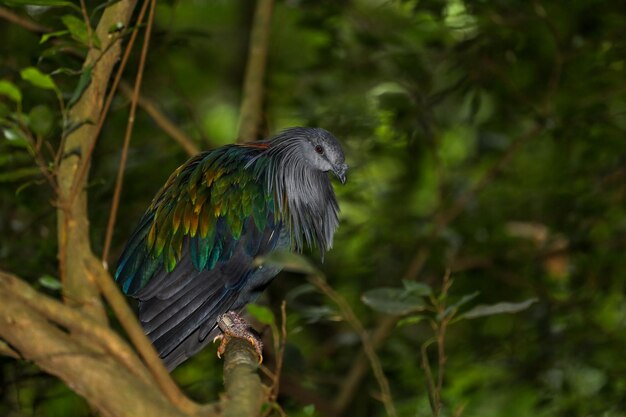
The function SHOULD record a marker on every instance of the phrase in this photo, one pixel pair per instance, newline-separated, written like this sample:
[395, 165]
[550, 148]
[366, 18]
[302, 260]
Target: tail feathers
[206, 314]
[184, 304]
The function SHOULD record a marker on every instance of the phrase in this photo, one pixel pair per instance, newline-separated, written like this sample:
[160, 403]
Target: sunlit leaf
[15, 138]
[393, 301]
[50, 282]
[7, 88]
[261, 313]
[499, 308]
[38, 79]
[78, 30]
[406, 321]
[50, 35]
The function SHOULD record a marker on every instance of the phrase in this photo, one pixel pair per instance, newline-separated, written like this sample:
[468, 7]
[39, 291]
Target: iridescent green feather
[212, 188]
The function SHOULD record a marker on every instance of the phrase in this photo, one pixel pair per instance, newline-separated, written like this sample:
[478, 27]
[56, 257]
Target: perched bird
[191, 260]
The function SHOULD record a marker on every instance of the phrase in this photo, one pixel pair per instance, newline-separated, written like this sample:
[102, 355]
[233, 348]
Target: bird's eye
[319, 149]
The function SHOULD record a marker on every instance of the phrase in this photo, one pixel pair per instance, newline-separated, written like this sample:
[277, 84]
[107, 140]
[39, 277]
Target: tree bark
[244, 391]
[73, 224]
[95, 374]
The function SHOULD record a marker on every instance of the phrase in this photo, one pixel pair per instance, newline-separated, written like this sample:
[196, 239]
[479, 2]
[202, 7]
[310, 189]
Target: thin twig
[83, 9]
[162, 121]
[370, 351]
[22, 21]
[129, 130]
[252, 103]
[430, 385]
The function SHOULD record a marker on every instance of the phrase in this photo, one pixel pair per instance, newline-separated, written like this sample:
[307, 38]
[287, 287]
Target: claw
[232, 325]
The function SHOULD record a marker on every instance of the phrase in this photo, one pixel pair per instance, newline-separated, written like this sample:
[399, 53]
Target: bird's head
[317, 148]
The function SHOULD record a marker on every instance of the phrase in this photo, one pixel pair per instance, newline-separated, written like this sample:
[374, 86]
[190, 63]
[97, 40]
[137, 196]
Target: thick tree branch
[244, 392]
[71, 319]
[73, 224]
[6, 350]
[134, 331]
[252, 103]
[94, 375]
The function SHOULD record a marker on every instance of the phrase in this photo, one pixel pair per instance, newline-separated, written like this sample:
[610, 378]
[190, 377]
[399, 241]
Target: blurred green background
[485, 138]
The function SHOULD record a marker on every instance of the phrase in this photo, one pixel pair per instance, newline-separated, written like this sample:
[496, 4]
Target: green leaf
[261, 313]
[4, 111]
[417, 288]
[308, 410]
[19, 174]
[50, 282]
[83, 82]
[41, 119]
[288, 261]
[15, 138]
[77, 27]
[38, 79]
[410, 320]
[499, 308]
[455, 307]
[56, 34]
[393, 301]
[78, 30]
[7, 88]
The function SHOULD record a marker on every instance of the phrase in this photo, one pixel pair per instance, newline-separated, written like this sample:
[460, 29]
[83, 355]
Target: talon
[232, 325]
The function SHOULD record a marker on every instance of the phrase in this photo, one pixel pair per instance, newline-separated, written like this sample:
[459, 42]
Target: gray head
[300, 158]
[315, 147]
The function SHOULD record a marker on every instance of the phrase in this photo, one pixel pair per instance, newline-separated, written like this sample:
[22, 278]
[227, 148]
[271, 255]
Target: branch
[162, 121]
[368, 347]
[96, 376]
[70, 318]
[251, 106]
[73, 224]
[350, 385]
[6, 350]
[127, 136]
[22, 21]
[136, 334]
[244, 392]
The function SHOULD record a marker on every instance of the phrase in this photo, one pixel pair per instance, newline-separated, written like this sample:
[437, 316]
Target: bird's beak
[340, 172]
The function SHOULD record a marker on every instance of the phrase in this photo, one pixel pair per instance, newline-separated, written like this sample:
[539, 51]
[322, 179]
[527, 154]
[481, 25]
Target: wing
[192, 256]
[201, 209]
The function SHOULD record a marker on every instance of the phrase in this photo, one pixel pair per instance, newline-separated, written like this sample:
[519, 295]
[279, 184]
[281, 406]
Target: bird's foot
[234, 326]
